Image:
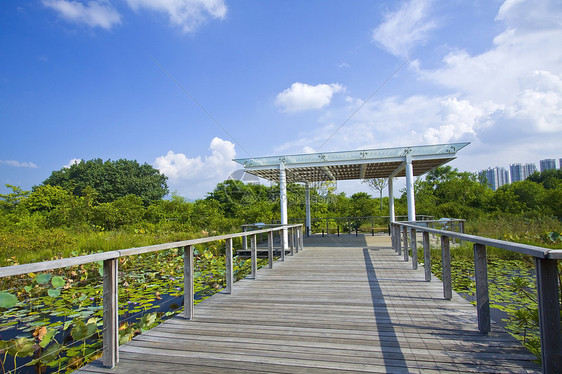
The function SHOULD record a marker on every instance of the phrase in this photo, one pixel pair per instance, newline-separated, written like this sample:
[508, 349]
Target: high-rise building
[503, 176]
[560, 163]
[529, 170]
[495, 177]
[548, 163]
[520, 172]
[517, 172]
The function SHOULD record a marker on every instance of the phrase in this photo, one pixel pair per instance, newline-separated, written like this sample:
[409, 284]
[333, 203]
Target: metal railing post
[110, 314]
[446, 268]
[229, 270]
[426, 256]
[188, 282]
[549, 315]
[301, 238]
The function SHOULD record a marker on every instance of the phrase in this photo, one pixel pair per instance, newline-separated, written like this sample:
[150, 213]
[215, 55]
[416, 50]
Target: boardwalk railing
[347, 223]
[546, 263]
[110, 275]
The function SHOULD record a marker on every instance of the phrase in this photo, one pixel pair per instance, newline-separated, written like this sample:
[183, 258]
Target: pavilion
[388, 163]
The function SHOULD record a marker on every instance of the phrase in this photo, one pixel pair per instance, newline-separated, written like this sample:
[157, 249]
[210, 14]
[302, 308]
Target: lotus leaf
[58, 282]
[21, 347]
[7, 300]
[53, 292]
[43, 278]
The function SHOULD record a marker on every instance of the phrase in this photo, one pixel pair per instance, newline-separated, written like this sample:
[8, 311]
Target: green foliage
[111, 180]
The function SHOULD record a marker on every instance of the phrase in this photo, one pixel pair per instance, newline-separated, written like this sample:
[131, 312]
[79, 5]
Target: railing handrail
[110, 345]
[355, 217]
[528, 249]
[546, 267]
[12, 270]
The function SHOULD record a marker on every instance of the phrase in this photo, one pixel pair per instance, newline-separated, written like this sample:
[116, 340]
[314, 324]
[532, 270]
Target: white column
[308, 227]
[391, 199]
[410, 189]
[283, 196]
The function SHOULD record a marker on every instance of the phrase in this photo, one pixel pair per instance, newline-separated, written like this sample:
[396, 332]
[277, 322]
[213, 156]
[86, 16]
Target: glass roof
[353, 157]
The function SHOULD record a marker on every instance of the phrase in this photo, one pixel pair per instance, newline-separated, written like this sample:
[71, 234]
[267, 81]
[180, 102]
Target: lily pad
[7, 300]
[58, 282]
[43, 278]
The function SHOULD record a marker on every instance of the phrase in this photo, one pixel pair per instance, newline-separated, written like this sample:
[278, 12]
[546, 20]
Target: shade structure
[386, 163]
[349, 165]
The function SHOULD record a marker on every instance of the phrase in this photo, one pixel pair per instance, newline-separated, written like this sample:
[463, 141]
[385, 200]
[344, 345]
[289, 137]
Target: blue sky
[187, 85]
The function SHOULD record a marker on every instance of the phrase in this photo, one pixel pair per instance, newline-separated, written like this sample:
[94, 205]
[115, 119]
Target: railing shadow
[390, 346]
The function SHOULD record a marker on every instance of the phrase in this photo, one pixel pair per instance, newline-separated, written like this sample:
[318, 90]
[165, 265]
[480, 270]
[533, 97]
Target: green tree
[550, 178]
[126, 210]
[111, 180]
[377, 184]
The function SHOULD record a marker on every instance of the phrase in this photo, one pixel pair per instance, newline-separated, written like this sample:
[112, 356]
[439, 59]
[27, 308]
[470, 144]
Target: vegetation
[111, 180]
[96, 206]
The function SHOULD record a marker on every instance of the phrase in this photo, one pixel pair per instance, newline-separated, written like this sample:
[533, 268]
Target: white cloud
[187, 14]
[18, 164]
[404, 29]
[74, 161]
[193, 177]
[93, 13]
[301, 96]
[458, 119]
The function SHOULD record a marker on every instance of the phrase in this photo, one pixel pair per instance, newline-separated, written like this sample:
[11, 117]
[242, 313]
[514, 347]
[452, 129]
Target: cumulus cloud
[195, 176]
[74, 161]
[18, 164]
[301, 96]
[405, 28]
[186, 14]
[94, 13]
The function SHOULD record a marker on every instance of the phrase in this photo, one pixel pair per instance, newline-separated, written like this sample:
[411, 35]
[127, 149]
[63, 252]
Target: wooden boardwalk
[342, 305]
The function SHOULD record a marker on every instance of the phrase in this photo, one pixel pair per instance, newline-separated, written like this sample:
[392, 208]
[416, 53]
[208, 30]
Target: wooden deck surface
[342, 305]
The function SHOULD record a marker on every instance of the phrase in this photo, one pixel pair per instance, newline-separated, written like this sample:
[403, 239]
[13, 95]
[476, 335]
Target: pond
[56, 322]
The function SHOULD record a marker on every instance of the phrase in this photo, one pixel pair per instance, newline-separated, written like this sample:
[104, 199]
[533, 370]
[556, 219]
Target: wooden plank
[344, 305]
[188, 282]
[549, 315]
[482, 296]
[110, 314]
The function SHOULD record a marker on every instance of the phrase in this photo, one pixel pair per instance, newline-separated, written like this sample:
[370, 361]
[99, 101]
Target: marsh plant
[52, 322]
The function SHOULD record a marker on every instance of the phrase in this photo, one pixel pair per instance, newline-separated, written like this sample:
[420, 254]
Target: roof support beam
[307, 209]
[410, 189]
[391, 199]
[397, 170]
[283, 198]
[362, 170]
[329, 173]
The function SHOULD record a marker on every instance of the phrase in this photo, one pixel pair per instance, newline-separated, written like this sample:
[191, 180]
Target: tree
[377, 184]
[111, 180]
[550, 179]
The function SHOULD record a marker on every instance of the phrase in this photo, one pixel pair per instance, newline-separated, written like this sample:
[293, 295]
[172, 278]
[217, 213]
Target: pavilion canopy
[360, 164]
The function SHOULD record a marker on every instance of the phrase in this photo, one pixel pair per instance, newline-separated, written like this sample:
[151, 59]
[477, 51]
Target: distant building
[495, 177]
[520, 172]
[517, 172]
[560, 163]
[529, 170]
[547, 164]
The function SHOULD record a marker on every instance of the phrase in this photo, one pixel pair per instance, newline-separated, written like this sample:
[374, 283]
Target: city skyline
[498, 176]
